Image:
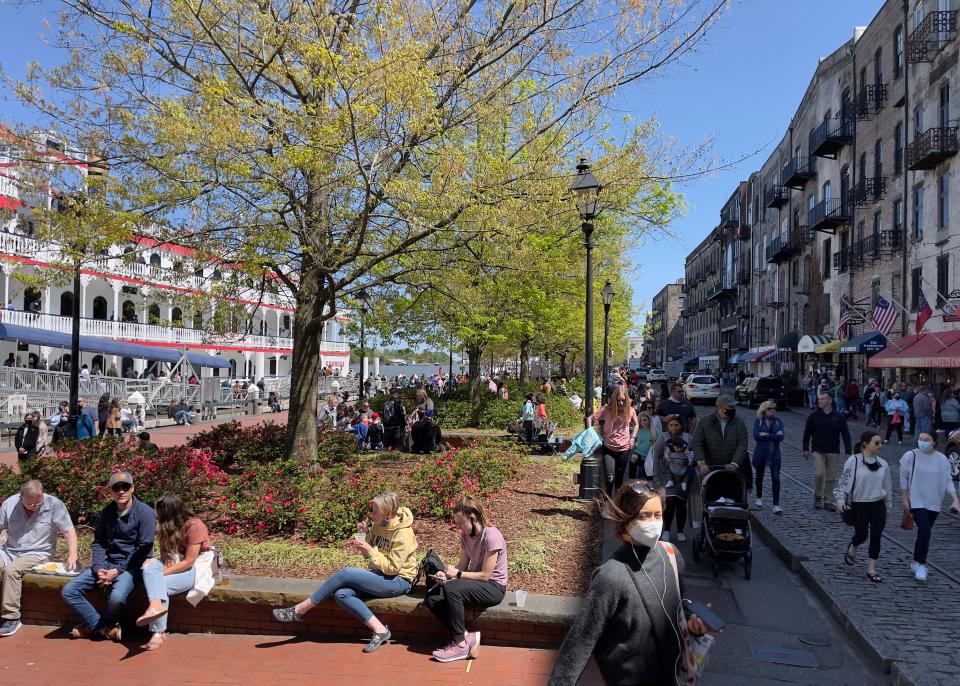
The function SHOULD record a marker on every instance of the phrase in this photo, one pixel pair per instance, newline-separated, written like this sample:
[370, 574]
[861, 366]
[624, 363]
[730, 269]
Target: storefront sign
[951, 308]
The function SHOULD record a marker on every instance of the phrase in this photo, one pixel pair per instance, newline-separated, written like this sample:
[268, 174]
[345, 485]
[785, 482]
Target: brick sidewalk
[46, 656]
[907, 626]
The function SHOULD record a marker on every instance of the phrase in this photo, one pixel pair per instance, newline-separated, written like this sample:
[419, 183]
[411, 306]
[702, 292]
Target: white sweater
[870, 486]
[928, 482]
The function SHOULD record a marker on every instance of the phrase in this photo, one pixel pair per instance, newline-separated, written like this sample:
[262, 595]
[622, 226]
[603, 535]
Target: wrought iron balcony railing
[870, 100]
[777, 196]
[827, 215]
[830, 137]
[932, 147]
[870, 190]
[928, 36]
[798, 171]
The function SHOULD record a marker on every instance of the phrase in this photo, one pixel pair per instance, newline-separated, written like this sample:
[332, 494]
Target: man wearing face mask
[720, 442]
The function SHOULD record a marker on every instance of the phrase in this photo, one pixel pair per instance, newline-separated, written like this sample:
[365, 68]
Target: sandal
[874, 577]
[156, 640]
[850, 558]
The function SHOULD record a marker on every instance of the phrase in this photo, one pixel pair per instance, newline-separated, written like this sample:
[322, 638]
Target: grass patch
[529, 556]
[282, 554]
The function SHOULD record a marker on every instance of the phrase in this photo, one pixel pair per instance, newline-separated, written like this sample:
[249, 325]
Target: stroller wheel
[747, 567]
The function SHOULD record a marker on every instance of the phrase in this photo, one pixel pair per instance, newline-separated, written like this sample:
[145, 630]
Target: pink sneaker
[452, 653]
[473, 643]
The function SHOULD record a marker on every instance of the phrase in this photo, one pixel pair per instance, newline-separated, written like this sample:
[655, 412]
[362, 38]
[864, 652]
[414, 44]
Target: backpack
[394, 413]
[428, 567]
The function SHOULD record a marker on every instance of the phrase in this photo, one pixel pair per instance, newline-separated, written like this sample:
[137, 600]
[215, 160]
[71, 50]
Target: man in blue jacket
[122, 541]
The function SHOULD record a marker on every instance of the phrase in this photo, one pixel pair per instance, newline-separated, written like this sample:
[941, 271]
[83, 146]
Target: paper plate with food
[54, 568]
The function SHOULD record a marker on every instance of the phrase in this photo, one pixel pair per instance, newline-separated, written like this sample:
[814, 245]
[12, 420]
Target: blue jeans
[184, 416]
[924, 425]
[351, 586]
[812, 398]
[840, 405]
[160, 587]
[74, 593]
[924, 520]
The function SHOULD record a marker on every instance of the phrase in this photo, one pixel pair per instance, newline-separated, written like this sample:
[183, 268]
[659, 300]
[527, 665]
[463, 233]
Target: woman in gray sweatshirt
[865, 490]
[630, 617]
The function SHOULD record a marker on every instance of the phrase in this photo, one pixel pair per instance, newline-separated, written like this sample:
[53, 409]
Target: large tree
[323, 141]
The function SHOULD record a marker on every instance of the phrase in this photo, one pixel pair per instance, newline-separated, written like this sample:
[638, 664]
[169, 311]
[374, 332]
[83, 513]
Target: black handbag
[428, 568]
[847, 514]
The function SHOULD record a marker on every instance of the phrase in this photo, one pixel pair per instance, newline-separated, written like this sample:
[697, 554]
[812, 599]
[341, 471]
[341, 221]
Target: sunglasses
[120, 488]
[641, 486]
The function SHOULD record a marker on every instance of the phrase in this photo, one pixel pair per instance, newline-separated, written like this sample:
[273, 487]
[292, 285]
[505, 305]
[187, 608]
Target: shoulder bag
[846, 514]
[693, 657]
[906, 522]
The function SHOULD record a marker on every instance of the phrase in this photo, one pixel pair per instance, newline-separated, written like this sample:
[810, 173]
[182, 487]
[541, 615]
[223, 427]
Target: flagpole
[906, 315]
[935, 289]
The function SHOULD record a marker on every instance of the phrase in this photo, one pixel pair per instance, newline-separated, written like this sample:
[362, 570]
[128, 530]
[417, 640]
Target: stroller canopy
[723, 484]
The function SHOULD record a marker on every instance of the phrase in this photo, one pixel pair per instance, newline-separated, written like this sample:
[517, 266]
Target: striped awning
[808, 344]
[831, 347]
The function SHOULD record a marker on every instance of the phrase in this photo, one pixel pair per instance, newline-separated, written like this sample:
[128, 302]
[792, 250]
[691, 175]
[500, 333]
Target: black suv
[756, 389]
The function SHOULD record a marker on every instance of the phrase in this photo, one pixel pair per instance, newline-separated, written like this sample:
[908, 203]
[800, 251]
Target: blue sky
[741, 89]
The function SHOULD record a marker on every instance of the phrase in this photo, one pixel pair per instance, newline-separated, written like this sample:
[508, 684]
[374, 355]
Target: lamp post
[607, 295]
[365, 305]
[586, 191]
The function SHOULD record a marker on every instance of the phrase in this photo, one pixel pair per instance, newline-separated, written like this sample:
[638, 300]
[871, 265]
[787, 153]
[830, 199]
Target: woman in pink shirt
[618, 427]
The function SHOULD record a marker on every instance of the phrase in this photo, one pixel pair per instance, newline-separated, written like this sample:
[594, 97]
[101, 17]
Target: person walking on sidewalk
[619, 431]
[851, 396]
[897, 413]
[923, 412]
[673, 462]
[924, 479]
[949, 412]
[720, 442]
[768, 433]
[865, 490]
[824, 430]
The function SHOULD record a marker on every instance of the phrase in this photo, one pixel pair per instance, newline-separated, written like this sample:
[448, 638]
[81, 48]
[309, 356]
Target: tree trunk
[563, 365]
[524, 360]
[474, 354]
[307, 330]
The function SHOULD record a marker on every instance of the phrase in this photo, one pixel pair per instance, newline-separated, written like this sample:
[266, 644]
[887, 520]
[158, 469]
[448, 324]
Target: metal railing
[932, 147]
[941, 24]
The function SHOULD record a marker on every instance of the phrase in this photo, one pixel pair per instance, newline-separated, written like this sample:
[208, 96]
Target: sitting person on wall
[185, 565]
[122, 541]
[479, 580]
[375, 433]
[31, 519]
[392, 559]
[182, 413]
[274, 401]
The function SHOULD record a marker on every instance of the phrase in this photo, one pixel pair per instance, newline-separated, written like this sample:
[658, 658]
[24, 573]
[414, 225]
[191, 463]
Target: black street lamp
[365, 305]
[607, 295]
[586, 190]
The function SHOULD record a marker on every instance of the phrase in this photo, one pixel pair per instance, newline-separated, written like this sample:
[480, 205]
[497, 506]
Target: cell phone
[706, 615]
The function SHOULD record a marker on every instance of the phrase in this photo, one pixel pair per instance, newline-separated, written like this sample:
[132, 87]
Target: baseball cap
[121, 478]
[376, 415]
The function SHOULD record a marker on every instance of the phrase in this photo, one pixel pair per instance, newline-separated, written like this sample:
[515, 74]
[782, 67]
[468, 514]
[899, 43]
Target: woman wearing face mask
[867, 493]
[390, 547]
[768, 433]
[479, 579]
[924, 479]
[673, 457]
[630, 618]
[619, 433]
[897, 413]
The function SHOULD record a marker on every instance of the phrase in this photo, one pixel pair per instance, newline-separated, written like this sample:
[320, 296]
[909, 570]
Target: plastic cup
[223, 576]
[521, 598]
[360, 536]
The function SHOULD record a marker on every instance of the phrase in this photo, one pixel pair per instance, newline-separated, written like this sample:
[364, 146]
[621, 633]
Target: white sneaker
[921, 573]
[665, 537]
[681, 538]
[913, 566]
[758, 502]
[695, 525]
[777, 509]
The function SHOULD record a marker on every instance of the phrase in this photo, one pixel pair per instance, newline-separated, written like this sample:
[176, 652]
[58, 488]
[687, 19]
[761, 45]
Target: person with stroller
[673, 469]
[720, 442]
[865, 490]
[618, 428]
[768, 434]
[630, 619]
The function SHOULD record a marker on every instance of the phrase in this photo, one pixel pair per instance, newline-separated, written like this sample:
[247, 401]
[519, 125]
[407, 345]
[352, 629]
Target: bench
[244, 607]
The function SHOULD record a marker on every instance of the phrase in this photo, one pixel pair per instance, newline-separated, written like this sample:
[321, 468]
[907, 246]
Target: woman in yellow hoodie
[391, 552]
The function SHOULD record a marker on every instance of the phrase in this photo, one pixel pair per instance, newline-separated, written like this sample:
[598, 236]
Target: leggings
[891, 426]
[447, 600]
[675, 506]
[924, 520]
[760, 466]
[616, 463]
[872, 516]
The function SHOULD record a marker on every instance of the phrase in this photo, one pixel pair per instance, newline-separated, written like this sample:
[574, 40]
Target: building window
[898, 149]
[897, 218]
[826, 258]
[943, 279]
[944, 111]
[878, 159]
[898, 52]
[878, 66]
[918, 213]
[916, 283]
[943, 201]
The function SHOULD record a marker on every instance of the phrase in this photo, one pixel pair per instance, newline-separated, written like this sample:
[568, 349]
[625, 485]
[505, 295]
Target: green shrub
[336, 501]
[233, 445]
[336, 447]
[453, 414]
[494, 413]
[10, 482]
[264, 499]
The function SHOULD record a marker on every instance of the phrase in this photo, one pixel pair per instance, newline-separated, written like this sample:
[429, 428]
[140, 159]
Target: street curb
[798, 563]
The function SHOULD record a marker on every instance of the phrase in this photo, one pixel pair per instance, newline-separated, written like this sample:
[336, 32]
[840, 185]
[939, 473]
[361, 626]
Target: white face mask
[646, 533]
[925, 446]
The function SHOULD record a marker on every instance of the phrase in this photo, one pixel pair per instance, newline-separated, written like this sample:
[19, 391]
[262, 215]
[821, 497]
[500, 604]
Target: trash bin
[253, 406]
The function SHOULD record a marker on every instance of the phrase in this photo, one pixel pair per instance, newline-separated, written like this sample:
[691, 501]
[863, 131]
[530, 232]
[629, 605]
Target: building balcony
[830, 137]
[932, 147]
[798, 171]
[774, 303]
[870, 100]
[870, 190]
[743, 275]
[882, 244]
[730, 217]
[717, 234]
[927, 38]
[778, 250]
[719, 290]
[803, 286]
[154, 333]
[776, 196]
[743, 233]
[827, 215]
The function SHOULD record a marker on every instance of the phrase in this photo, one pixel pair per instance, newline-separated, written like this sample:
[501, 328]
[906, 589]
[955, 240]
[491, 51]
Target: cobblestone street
[909, 626]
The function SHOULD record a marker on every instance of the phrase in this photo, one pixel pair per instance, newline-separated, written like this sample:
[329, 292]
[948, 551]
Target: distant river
[392, 370]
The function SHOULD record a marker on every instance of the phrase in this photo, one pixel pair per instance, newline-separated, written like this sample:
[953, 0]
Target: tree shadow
[572, 514]
[551, 496]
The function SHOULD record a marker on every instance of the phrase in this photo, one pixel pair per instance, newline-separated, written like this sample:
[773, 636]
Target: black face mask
[730, 413]
[473, 529]
[872, 466]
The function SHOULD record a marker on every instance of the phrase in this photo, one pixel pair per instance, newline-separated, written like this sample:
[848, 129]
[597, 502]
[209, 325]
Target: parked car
[684, 376]
[701, 387]
[642, 373]
[757, 389]
[657, 375]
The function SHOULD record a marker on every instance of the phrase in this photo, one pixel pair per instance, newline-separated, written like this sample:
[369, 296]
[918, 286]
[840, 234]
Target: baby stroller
[725, 532]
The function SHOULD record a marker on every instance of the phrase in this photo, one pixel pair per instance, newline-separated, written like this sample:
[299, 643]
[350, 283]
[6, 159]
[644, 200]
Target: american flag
[844, 323]
[884, 315]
